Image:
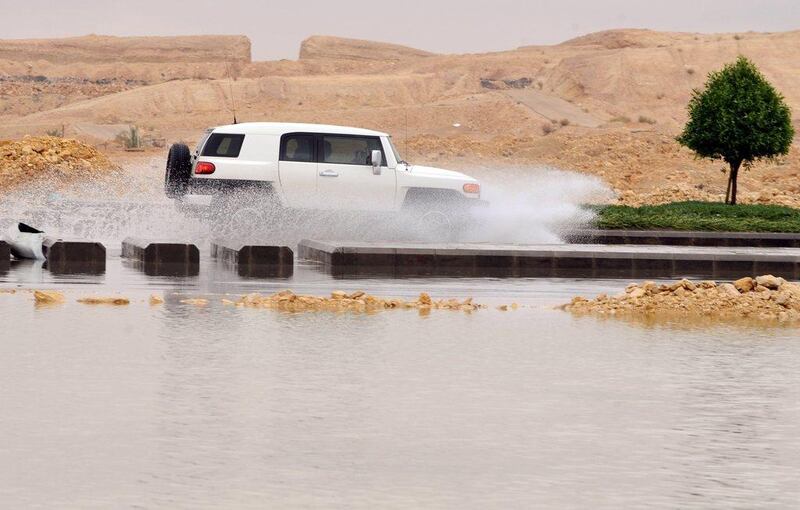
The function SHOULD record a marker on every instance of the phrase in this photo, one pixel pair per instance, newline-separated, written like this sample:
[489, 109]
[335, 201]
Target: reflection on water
[178, 406]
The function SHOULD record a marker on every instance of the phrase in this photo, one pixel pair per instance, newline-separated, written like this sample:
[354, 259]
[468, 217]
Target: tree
[739, 118]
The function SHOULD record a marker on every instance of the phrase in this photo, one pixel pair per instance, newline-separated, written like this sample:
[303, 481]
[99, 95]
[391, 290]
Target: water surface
[178, 406]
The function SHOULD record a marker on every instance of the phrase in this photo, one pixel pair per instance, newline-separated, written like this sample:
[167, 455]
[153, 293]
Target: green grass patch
[700, 216]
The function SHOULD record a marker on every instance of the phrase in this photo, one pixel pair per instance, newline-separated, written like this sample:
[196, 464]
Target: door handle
[329, 173]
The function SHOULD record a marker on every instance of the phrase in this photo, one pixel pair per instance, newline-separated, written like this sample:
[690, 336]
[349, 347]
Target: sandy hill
[324, 47]
[592, 97]
[97, 49]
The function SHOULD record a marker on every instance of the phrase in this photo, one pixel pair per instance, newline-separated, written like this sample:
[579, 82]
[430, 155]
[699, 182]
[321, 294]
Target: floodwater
[179, 406]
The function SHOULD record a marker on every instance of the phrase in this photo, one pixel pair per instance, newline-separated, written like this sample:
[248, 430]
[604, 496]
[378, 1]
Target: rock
[48, 297]
[156, 300]
[770, 282]
[745, 285]
[424, 299]
[727, 289]
[195, 302]
[117, 301]
[638, 293]
[783, 299]
[338, 294]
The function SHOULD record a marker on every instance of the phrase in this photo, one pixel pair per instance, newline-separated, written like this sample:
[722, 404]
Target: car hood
[429, 171]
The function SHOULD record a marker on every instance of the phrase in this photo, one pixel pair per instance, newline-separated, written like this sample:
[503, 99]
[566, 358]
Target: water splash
[534, 205]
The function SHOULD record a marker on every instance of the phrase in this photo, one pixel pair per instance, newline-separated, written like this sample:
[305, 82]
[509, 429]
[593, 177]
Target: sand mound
[765, 298]
[49, 158]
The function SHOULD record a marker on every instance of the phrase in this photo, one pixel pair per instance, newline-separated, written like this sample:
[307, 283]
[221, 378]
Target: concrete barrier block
[5, 257]
[163, 258]
[70, 256]
[542, 260]
[255, 260]
[685, 238]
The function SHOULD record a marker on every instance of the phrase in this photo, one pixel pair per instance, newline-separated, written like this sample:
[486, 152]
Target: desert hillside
[608, 103]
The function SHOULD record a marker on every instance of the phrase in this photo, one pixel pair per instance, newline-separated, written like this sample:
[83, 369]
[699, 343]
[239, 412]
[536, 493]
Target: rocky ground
[288, 301]
[53, 160]
[763, 299]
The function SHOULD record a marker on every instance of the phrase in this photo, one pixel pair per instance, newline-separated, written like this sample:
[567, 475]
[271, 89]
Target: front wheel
[443, 224]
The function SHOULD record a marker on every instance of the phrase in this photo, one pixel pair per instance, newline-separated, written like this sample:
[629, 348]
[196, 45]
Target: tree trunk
[734, 180]
[728, 190]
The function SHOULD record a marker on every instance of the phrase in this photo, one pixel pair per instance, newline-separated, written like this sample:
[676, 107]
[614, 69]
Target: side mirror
[377, 162]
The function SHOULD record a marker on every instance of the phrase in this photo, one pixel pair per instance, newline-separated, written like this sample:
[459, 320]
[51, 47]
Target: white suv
[313, 166]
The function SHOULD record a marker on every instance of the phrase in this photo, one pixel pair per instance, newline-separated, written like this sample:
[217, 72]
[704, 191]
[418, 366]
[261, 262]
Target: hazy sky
[452, 26]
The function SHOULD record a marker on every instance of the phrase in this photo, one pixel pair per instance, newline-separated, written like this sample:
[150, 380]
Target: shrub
[547, 128]
[564, 122]
[130, 139]
[646, 120]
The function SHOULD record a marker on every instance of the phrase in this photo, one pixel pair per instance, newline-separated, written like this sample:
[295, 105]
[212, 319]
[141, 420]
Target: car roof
[279, 128]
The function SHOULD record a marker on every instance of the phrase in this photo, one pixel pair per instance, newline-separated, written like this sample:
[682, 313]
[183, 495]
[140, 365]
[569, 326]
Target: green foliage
[739, 117]
[701, 216]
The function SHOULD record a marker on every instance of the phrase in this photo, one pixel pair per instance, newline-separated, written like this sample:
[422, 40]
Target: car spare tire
[179, 170]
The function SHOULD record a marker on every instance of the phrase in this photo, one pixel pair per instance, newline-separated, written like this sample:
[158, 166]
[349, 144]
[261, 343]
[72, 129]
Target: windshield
[395, 151]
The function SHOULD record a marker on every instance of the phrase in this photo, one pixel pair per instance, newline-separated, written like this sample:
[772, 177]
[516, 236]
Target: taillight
[472, 187]
[204, 167]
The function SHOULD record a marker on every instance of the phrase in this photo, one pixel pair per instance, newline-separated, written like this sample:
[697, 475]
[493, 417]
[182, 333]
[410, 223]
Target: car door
[298, 169]
[346, 179]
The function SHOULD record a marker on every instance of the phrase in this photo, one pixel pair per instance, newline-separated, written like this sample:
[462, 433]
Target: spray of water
[535, 205]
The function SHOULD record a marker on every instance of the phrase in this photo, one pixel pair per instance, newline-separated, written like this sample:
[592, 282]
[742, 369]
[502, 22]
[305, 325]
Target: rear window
[220, 145]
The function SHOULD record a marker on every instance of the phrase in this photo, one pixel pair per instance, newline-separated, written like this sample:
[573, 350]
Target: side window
[297, 147]
[350, 150]
[220, 145]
